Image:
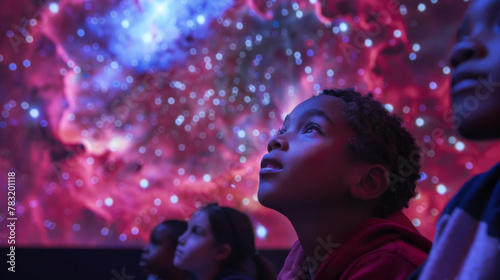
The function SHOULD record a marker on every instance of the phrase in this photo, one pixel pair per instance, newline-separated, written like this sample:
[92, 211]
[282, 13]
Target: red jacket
[389, 248]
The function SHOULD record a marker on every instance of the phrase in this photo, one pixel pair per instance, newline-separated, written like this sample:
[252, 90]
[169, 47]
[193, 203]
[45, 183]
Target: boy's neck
[172, 273]
[208, 274]
[320, 229]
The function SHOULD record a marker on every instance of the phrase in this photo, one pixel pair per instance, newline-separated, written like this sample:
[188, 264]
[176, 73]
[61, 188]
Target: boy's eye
[281, 131]
[197, 231]
[311, 127]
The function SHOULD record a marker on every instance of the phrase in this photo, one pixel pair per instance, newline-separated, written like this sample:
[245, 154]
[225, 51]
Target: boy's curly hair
[382, 139]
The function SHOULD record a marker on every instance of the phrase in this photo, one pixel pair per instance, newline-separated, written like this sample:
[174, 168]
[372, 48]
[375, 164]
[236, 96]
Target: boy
[158, 256]
[338, 170]
[466, 244]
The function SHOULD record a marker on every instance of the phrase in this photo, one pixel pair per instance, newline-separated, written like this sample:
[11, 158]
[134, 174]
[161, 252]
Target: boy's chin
[278, 201]
[477, 131]
[269, 198]
[477, 120]
[264, 195]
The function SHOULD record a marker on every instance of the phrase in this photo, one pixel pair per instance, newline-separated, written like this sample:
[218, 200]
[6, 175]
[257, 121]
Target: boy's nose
[466, 50]
[277, 142]
[181, 240]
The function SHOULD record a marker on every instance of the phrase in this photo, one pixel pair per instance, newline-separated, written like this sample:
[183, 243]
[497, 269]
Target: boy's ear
[372, 183]
[223, 252]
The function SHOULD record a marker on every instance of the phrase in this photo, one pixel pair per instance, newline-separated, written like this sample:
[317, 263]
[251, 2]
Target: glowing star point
[34, 113]
[54, 8]
[441, 189]
[200, 19]
[261, 232]
[460, 146]
[416, 222]
[206, 178]
[144, 183]
[108, 201]
[343, 27]
[419, 122]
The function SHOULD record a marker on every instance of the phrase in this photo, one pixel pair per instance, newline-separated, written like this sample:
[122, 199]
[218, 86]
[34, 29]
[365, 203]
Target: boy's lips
[270, 164]
[465, 85]
[465, 81]
[178, 252]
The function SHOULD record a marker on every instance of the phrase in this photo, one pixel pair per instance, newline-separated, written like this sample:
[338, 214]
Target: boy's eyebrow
[310, 113]
[319, 113]
[287, 120]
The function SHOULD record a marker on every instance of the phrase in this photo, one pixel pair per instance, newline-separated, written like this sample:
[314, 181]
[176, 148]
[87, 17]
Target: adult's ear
[373, 182]
[223, 252]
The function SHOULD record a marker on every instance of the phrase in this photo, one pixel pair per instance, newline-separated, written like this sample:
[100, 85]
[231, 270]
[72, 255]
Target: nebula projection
[117, 115]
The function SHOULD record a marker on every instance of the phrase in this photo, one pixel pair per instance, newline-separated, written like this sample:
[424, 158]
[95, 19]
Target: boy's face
[308, 161]
[197, 247]
[158, 255]
[475, 84]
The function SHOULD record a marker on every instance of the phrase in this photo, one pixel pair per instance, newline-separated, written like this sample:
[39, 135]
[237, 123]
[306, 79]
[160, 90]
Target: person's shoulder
[404, 251]
[236, 277]
[475, 193]
[491, 174]
[393, 260]
[233, 274]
